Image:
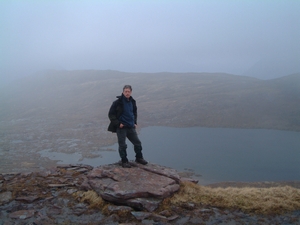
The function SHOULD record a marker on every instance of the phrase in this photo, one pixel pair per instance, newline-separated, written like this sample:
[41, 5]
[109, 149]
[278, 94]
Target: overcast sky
[150, 36]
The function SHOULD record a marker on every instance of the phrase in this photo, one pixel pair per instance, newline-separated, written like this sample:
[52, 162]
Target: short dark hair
[127, 87]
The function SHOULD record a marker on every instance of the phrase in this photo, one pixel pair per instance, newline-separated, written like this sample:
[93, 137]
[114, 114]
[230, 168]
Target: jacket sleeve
[112, 114]
[135, 112]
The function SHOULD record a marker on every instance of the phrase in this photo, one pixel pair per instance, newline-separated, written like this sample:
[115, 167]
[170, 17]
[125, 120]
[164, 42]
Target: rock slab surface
[141, 186]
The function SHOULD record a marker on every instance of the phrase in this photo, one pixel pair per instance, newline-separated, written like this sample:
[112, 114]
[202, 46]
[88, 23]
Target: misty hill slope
[75, 103]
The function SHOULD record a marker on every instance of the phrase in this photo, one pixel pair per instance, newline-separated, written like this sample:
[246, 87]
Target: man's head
[127, 89]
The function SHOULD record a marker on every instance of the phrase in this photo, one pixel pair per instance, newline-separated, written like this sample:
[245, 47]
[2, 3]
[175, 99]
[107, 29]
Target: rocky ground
[70, 194]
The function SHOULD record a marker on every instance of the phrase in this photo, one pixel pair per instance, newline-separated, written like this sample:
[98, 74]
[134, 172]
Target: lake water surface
[217, 154]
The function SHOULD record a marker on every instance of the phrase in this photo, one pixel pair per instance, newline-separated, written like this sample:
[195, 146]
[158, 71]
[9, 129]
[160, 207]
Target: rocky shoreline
[74, 194]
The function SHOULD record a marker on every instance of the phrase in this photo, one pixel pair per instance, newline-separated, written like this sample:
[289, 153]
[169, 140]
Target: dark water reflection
[222, 154]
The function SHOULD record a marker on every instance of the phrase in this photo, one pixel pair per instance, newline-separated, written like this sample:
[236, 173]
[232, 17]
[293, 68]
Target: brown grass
[91, 197]
[95, 201]
[275, 200]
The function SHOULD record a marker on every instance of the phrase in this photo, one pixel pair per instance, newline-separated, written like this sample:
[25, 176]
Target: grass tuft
[91, 197]
[274, 200]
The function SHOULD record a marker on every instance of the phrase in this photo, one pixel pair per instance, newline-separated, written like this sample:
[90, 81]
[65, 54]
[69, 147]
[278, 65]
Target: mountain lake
[210, 154]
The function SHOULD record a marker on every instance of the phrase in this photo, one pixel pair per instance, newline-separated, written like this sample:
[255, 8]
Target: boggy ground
[59, 196]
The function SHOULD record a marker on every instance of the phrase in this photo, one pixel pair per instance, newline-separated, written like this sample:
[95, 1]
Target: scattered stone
[26, 174]
[183, 220]
[68, 196]
[5, 197]
[111, 220]
[9, 176]
[58, 185]
[28, 198]
[184, 179]
[85, 184]
[44, 173]
[165, 213]
[71, 191]
[22, 214]
[157, 217]
[141, 215]
[62, 180]
[188, 205]
[171, 218]
[205, 210]
[79, 209]
[82, 170]
[114, 208]
[149, 204]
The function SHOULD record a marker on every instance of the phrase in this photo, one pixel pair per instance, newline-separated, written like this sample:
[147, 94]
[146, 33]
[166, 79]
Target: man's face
[127, 92]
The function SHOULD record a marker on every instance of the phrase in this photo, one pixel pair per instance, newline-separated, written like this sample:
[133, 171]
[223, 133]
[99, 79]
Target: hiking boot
[141, 161]
[126, 165]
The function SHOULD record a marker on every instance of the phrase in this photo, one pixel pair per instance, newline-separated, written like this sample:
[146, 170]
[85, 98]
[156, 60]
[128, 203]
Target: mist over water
[217, 154]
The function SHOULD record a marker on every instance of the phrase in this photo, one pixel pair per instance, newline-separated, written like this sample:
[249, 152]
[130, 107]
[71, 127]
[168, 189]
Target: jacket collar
[120, 97]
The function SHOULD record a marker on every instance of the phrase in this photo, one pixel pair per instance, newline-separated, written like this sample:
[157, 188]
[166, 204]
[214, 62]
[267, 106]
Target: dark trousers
[131, 134]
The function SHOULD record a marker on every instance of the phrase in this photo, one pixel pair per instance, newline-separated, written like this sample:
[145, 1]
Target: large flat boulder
[142, 186]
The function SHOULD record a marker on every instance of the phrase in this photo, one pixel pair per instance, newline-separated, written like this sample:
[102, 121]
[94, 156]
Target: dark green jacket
[116, 111]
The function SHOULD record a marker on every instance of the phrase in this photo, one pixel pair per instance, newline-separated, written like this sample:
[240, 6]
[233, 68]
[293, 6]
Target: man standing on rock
[123, 121]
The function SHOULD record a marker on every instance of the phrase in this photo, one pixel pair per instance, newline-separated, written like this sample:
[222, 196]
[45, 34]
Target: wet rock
[76, 167]
[71, 191]
[184, 179]
[26, 174]
[205, 210]
[9, 176]
[141, 187]
[27, 198]
[111, 220]
[57, 185]
[22, 214]
[183, 220]
[149, 204]
[165, 213]
[5, 197]
[85, 184]
[171, 218]
[114, 208]
[141, 215]
[157, 217]
[44, 173]
[79, 209]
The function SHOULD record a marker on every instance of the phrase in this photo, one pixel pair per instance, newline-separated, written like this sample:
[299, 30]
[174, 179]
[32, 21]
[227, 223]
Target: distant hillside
[74, 104]
[270, 68]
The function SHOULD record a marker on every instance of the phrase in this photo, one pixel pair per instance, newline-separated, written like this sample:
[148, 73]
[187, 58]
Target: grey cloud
[145, 36]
